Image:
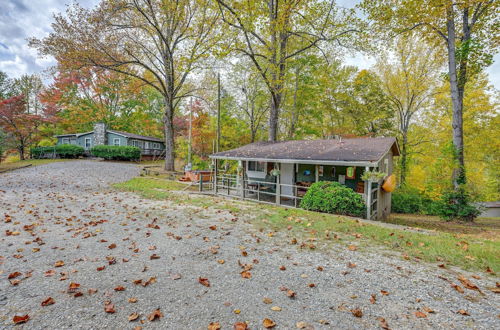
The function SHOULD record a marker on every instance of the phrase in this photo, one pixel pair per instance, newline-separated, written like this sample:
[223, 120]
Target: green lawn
[33, 162]
[440, 247]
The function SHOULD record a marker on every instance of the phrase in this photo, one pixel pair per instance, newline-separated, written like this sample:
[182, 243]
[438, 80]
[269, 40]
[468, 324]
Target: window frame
[85, 142]
[65, 139]
[258, 166]
[116, 139]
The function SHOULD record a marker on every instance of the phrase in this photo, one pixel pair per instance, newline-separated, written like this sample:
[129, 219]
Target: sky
[22, 19]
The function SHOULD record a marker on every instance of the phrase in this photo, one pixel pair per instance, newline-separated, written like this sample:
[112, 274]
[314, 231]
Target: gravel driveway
[62, 224]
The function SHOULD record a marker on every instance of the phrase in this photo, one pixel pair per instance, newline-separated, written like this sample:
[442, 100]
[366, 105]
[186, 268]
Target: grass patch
[11, 165]
[473, 253]
[487, 228]
[468, 253]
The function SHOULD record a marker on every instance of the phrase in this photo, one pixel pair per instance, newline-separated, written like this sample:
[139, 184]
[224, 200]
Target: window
[256, 166]
[134, 143]
[116, 141]
[65, 141]
[156, 146]
[88, 142]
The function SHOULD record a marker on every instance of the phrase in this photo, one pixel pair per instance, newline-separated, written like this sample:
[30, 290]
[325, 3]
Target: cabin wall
[111, 139]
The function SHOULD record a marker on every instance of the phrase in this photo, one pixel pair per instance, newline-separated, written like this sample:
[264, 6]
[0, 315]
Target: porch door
[286, 177]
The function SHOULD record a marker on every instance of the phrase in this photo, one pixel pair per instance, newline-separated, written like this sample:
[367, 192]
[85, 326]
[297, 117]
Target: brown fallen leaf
[428, 310]
[282, 268]
[468, 284]
[268, 323]
[119, 288]
[384, 293]
[246, 274]
[303, 325]
[132, 300]
[112, 246]
[204, 281]
[457, 287]
[156, 315]
[240, 326]
[214, 325]
[463, 312]
[267, 301]
[290, 293]
[48, 301]
[133, 317]
[420, 314]
[276, 309]
[73, 286]
[49, 273]
[383, 323]
[59, 263]
[109, 307]
[352, 247]
[18, 319]
[101, 268]
[373, 299]
[357, 312]
[14, 275]
[154, 257]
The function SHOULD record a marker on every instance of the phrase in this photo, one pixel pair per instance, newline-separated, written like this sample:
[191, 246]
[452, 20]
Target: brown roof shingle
[342, 150]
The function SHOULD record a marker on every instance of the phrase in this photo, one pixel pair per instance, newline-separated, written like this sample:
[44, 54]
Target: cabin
[151, 147]
[281, 172]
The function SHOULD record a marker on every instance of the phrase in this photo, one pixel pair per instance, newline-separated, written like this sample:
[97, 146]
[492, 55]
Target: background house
[281, 172]
[101, 135]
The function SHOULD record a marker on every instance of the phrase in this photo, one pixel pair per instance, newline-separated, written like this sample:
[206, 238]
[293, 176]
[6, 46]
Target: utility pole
[190, 143]
[218, 113]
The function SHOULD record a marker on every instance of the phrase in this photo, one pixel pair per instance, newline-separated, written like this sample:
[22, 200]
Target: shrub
[407, 200]
[332, 197]
[116, 152]
[69, 151]
[40, 152]
[456, 205]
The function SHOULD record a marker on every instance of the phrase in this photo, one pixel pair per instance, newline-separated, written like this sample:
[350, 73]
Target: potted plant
[373, 176]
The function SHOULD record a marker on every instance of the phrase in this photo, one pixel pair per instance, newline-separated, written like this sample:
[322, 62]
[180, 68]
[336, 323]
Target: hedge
[333, 197]
[411, 200]
[116, 152]
[62, 150]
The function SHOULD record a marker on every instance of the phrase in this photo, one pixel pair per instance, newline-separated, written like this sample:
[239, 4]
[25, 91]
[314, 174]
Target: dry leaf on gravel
[18, 319]
[268, 323]
[109, 307]
[463, 312]
[357, 312]
[214, 326]
[420, 314]
[156, 315]
[383, 323]
[133, 317]
[240, 326]
[48, 301]
[246, 274]
[204, 281]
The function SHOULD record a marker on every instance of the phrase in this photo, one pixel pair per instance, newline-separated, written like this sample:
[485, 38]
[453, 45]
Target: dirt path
[120, 248]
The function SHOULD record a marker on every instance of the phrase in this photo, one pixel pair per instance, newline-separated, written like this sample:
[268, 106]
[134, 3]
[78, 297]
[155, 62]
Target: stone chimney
[100, 134]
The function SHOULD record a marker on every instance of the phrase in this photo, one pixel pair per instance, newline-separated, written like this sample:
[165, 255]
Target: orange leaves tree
[20, 125]
[157, 42]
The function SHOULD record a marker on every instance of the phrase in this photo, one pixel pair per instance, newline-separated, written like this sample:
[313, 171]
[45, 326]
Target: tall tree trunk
[457, 103]
[404, 159]
[21, 152]
[169, 136]
[274, 115]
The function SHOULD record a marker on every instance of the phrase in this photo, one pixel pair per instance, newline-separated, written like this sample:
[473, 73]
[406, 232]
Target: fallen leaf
[468, 284]
[14, 275]
[221, 261]
[419, 314]
[48, 301]
[240, 326]
[112, 246]
[457, 287]
[73, 286]
[156, 315]
[119, 288]
[59, 263]
[204, 281]
[268, 323]
[154, 257]
[385, 293]
[109, 307]
[276, 308]
[357, 312]
[352, 247]
[49, 273]
[373, 298]
[133, 317]
[132, 300]
[267, 301]
[428, 310]
[383, 323]
[290, 293]
[214, 325]
[351, 265]
[17, 319]
[246, 274]
[463, 312]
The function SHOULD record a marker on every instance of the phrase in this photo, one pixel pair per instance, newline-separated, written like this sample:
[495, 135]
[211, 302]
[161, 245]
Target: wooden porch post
[316, 173]
[368, 199]
[243, 171]
[278, 186]
[215, 176]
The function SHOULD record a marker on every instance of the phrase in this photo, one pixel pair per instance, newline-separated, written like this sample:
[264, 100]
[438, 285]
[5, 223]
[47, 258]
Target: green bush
[456, 205]
[69, 151]
[39, 152]
[410, 200]
[332, 197]
[116, 152]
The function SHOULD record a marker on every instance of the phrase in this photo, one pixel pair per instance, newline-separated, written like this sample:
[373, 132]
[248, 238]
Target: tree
[272, 33]
[5, 86]
[20, 125]
[467, 30]
[30, 86]
[409, 79]
[157, 42]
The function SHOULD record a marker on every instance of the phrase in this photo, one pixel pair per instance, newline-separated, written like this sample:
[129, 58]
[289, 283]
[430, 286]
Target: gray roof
[357, 150]
[136, 136]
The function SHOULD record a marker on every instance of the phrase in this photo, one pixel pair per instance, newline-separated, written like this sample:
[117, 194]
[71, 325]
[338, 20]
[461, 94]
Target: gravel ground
[67, 212]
